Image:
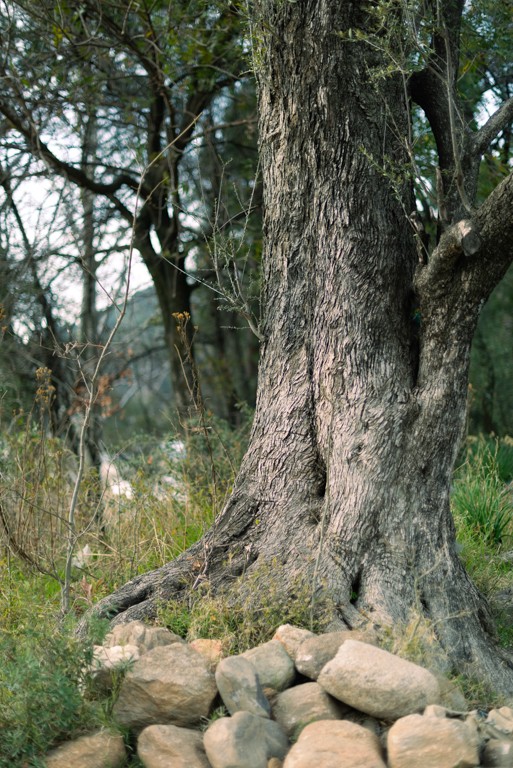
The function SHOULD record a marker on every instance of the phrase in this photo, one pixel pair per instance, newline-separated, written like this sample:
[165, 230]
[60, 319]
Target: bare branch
[64, 169]
[480, 249]
[501, 118]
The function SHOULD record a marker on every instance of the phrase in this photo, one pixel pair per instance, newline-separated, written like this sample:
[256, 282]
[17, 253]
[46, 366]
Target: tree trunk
[359, 411]
[174, 297]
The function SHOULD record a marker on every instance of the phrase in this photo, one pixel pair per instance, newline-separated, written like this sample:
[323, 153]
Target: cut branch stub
[462, 239]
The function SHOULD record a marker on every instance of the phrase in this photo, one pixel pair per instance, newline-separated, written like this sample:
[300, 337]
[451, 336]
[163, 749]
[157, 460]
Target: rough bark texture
[360, 411]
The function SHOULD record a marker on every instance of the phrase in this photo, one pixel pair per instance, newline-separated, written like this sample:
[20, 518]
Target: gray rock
[336, 744]
[244, 741]
[304, 704]
[435, 710]
[109, 661]
[273, 665]
[432, 742]
[212, 650]
[160, 746]
[240, 688]
[498, 753]
[170, 684]
[315, 652]
[500, 721]
[377, 682]
[291, 638]
[136, 633]
[96, 750]
[366, 721]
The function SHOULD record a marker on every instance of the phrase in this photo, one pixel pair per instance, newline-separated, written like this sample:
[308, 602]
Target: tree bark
[359, 411]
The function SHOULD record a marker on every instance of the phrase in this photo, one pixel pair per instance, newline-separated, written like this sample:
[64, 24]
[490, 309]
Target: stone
[315, 652]
[102, 749]
[291, 638]
[366, 721]
[377, 682]
[160, 746]
[244, 741]
[336, 744]
[109, 661]
[500, 720]
[432, 742]
[169, 684]
[497, 753]
[273, 665]
[212, 650]
[240, 688]
[304, 704]
[451, 696]
[435, 710]
[136, 633]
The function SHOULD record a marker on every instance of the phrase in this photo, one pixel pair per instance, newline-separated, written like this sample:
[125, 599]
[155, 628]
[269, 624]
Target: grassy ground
[41, 684]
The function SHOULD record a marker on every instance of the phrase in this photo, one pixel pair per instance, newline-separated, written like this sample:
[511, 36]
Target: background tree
[147, 73]
[360, 410]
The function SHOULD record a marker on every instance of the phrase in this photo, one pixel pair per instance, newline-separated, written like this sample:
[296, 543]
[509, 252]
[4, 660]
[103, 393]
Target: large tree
[361, 405]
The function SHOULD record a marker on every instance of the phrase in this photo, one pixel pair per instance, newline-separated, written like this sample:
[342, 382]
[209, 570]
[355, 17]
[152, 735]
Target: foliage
[480, 498]
[41, 699]
[491, 369]
[482, 505]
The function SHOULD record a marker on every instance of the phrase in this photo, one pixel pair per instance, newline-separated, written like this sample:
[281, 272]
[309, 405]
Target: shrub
[41, 703]
[481, 501]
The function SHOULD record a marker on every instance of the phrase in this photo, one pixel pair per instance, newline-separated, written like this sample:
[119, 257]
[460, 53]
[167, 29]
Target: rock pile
[300, 700]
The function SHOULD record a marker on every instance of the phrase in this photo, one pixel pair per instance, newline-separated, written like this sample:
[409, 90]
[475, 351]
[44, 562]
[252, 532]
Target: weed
[41, 699]
[482, 503]
[248, 614]
[217, 714]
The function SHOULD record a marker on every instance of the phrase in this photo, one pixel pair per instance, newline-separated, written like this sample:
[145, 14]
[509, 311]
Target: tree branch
[501, 118]
[64, 169]
[480, 248]
[495, 224]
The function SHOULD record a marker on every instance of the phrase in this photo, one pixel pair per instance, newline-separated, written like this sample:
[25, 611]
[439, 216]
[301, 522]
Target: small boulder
[432, 742]
[169, 684]
[160, 746]
[497, 753]
[500, 721]
[136, 633]
[96, 750]
[303, 704]
[377, 682]
[336, 744]
[291, 638]
[273, 665]
[108, 661]
[244, 741]
[240, 688]
[211, 650]
[315, 652]
[435, 710]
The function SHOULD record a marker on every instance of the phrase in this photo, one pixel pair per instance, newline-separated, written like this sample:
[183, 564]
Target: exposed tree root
[458, 615]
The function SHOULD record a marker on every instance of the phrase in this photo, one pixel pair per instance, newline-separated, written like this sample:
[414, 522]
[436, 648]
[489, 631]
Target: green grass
[481, 499]
[482, 504]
